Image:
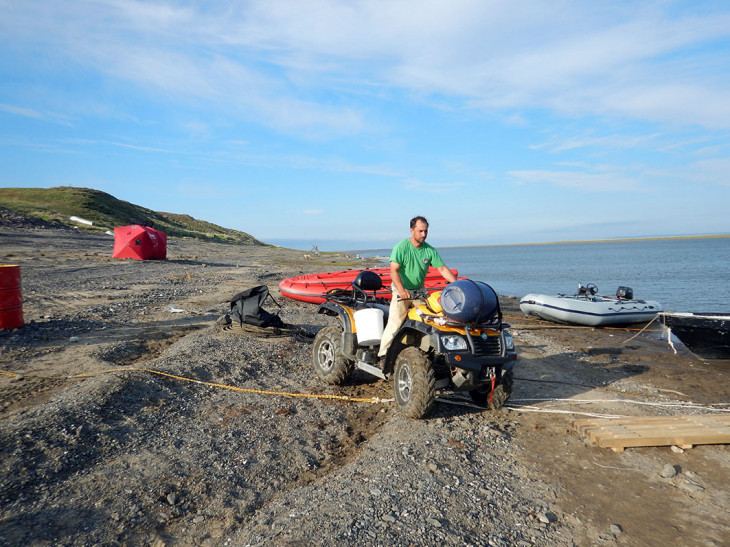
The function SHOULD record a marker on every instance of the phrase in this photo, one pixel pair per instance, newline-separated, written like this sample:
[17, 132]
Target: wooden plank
[683, 431]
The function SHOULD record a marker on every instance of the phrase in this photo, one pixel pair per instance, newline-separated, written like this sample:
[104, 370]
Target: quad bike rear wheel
[329, 363]
[414, 382]
[502, 392]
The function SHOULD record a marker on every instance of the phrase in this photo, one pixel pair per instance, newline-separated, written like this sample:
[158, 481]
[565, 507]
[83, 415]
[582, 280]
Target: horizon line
[608, 240]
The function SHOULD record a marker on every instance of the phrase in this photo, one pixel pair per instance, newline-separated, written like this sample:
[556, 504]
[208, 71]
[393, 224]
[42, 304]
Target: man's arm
[395, 278]
[447, 274]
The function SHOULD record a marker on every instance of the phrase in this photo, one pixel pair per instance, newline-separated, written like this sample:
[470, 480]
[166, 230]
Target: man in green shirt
[409, 263]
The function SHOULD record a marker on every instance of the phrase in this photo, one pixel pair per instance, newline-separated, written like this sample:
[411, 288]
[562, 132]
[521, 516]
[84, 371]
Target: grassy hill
[107, 212]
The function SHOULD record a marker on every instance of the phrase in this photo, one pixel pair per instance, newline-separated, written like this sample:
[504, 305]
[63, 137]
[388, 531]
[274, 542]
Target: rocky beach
[130, 416]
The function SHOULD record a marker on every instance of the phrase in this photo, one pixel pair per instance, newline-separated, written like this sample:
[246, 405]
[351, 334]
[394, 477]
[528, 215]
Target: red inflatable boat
[313, 287]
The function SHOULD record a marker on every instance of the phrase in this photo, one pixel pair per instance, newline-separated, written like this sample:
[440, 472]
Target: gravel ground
[129, 416]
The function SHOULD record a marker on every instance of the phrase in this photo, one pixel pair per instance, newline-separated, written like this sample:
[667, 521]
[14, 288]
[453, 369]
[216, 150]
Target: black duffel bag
[246, 308]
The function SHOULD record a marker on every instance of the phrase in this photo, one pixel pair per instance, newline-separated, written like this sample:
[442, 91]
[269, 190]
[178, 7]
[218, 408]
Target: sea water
[681, 274]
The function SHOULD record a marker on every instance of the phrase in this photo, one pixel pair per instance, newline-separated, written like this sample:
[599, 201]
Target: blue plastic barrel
[469, 301]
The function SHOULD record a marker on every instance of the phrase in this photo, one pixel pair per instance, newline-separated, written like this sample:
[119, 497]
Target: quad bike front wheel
[414, 382]
[329, 363]
[502, 392]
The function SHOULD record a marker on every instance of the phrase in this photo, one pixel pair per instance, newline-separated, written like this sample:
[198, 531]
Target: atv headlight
[453, 343]
[509, 342]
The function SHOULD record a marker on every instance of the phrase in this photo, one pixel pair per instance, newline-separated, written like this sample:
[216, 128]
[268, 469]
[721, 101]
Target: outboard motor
[625, 293]
[469, 301]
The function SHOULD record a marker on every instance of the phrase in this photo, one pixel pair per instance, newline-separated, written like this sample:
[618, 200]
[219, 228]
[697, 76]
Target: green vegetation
[107, 212]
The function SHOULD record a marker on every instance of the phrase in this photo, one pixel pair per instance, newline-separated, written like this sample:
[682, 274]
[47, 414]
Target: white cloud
[267, 60]
[116, 144]
[587, 182]
[588, 139]
[35, 114]
[20, 111]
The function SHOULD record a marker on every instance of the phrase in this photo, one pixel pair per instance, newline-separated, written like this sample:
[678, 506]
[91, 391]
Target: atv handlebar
[417, 294]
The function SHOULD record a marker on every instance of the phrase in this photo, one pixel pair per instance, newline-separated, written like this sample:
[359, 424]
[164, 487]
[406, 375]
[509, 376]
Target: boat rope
[588, 386]
[516, 408]
[542, 324]
[642, 330]
[669, 335]
[513, 405]
[241, 389]
[669, 340]
[686, 405]
[614, 390]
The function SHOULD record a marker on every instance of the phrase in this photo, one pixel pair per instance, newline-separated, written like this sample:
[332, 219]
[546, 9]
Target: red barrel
[11, 299]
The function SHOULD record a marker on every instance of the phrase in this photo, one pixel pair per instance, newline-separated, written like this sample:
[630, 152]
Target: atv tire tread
[327, 359]
[414, 382]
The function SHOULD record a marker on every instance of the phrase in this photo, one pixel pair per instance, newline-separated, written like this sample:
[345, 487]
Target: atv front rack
[444, 321]
[352, 297]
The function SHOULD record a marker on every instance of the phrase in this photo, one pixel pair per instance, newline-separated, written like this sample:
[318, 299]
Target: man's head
[419, 230]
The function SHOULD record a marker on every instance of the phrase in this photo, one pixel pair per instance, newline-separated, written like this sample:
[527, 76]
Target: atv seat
[368, 280]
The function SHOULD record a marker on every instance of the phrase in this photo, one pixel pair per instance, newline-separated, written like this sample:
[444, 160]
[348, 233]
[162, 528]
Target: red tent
[139, 243]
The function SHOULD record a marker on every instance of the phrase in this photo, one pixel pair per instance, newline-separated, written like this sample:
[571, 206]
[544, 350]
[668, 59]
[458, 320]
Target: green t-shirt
[414, 262]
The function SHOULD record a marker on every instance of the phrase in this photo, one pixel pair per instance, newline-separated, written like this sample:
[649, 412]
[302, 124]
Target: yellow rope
[243, 389]
[11, 374]
[642, 330]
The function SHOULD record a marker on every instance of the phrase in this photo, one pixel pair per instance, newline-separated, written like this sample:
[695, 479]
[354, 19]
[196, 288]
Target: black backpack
[246, 308]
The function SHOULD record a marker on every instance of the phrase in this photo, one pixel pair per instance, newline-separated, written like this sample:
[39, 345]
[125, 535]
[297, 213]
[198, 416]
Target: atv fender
[411, 334]
[349, 338]
[335, 310]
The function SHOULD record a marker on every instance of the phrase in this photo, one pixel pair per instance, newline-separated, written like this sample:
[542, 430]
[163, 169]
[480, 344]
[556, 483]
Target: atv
[451, 340]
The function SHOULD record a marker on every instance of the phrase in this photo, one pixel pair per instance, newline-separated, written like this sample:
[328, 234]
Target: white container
[369, 326]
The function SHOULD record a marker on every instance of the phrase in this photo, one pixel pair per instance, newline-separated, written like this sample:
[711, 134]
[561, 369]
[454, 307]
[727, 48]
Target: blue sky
[332, 123]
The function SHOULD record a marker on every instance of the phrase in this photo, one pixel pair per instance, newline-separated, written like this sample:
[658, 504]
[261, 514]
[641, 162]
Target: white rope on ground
[543, 410]
[628, 401]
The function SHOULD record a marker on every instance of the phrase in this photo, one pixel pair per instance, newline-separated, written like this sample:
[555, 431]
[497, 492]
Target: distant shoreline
[567, 242]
